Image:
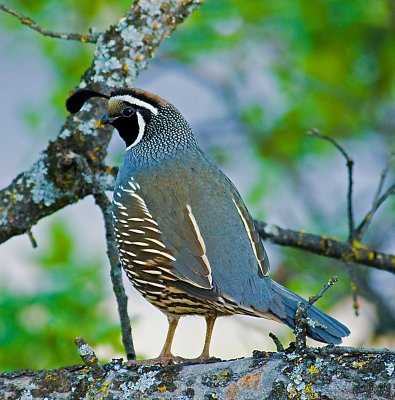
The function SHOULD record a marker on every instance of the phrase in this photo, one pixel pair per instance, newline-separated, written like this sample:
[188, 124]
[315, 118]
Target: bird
[186, 240]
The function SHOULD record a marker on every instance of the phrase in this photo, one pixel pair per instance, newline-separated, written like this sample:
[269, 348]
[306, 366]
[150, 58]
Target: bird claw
[161, 360]
[170, 360]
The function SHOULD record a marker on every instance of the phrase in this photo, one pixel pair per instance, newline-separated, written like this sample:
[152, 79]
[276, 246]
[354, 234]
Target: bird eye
[128, 111]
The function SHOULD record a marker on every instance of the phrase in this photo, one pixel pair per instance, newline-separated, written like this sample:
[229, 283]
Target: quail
[185, 238]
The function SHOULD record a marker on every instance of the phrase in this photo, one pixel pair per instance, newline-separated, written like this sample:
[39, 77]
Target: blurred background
[252, 77]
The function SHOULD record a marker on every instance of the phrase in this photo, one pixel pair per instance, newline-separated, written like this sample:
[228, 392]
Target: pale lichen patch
[65, 133]
[131, 35]
[42, 190]
[390, 367]
[85, 350]
[87, 128]
[150, 8]
[146, 381]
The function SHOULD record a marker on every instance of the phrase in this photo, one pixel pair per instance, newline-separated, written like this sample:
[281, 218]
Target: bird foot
[172, 359]
[161, 360]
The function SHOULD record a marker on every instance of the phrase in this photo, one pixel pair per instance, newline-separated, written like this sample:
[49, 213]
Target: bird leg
[210, 321]
[165, 357]
[205, 356]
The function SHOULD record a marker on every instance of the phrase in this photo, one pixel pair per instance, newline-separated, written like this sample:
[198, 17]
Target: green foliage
[69, 59]
[37, 330]
[333, 61]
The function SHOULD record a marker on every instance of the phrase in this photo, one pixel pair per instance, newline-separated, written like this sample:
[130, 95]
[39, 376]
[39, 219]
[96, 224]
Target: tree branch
[91, 38]
[329, 247]
[55, 180]
[316, 374]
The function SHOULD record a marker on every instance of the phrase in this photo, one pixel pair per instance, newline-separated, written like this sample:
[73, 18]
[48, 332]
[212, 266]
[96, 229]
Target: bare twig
[89, 357]
[32, 239]
[350, 165]
[301, 317]
[364, 225]
[97, 189]
[350, 211]
[277, 342]
[313, 299]
[377, 200]
[91, 38]
[383, 177]
[116, 277]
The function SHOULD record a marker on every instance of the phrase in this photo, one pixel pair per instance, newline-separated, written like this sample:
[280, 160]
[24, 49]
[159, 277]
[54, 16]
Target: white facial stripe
[137, 102]
[141, 123]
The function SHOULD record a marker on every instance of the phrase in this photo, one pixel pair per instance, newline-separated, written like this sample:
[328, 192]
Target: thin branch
[89, 358]
[364, 225]
[350, 211]
[350, 165]
[116, 276]
[277, 342]
[91, 38]
[112, 253]
[383, 177]
[313, 299]
[301, 317]
[32, 239]
[328, 247]
[377, 200]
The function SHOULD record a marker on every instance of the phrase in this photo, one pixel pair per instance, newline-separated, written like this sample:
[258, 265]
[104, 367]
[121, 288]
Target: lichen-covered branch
[56, 179]
[90, 38]
[302, 320]
[329, 247]
[327, 373]
[89, 358]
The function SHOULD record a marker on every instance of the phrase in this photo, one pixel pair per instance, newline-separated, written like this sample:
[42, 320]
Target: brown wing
[152, 235]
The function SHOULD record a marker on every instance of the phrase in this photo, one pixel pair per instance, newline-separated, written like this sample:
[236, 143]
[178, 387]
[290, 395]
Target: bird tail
[329, 329]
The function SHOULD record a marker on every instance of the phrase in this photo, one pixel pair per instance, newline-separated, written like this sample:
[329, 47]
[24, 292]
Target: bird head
[136, 114]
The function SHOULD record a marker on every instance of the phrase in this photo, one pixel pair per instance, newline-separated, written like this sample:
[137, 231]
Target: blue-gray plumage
[185, 238]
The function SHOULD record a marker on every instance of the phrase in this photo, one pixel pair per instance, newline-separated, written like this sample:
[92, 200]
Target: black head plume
[75, 102]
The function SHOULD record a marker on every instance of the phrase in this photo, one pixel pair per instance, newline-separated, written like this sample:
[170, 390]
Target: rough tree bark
[72, 167]
[324, 374]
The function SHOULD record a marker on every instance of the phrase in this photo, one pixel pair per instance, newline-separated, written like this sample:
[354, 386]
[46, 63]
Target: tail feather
[329, 331]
